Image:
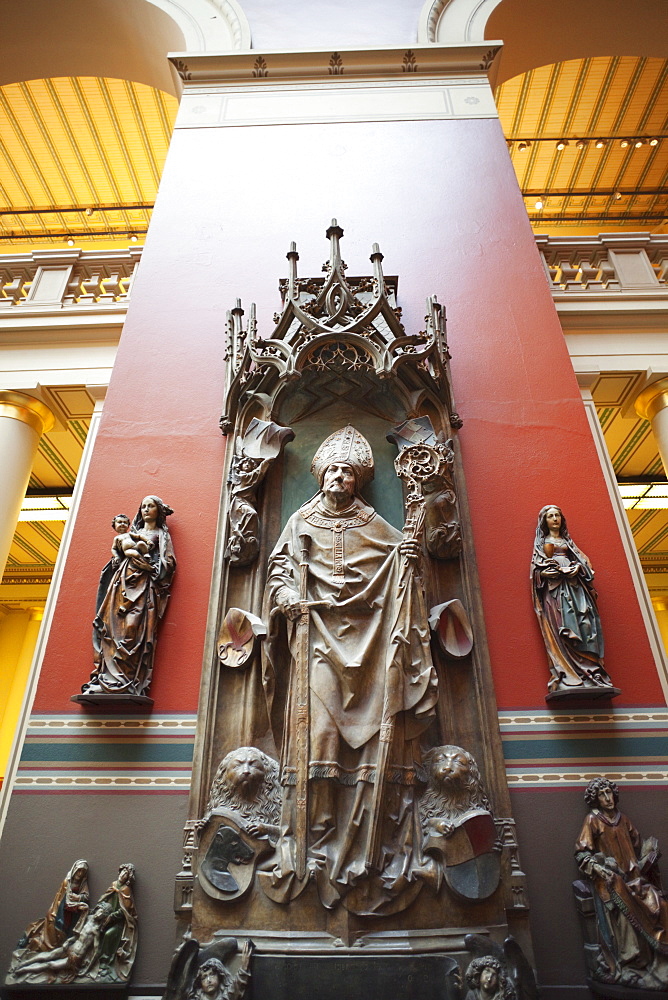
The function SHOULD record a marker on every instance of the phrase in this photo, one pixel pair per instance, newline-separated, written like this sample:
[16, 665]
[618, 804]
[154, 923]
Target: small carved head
[450, 764]
[120, 523]
[454, 784]
[100, 912]
[211, 975]
[163, 511]
[488, 973]
[598, 785]
[347, 446]
[247, 782]
[78, 872]
[245, 771]
[126, 873]
[339, 478]
[551, 516]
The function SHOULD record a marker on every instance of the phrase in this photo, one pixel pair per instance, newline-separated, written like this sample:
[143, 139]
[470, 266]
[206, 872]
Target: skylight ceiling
[585, 188]
[80, 157]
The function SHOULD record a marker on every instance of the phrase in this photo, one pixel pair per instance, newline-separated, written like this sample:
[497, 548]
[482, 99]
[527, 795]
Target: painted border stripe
[601, 747]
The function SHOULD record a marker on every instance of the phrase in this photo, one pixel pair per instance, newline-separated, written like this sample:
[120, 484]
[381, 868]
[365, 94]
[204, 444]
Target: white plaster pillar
[652, 405]
[98, 393]
[21, 667]
[23, 420]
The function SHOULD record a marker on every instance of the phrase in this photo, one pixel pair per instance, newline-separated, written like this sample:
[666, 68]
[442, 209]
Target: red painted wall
[442, 200]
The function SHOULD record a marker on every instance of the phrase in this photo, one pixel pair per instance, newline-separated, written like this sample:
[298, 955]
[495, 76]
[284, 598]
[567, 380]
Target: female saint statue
[565, 602]
[64, 917]
[132, 598]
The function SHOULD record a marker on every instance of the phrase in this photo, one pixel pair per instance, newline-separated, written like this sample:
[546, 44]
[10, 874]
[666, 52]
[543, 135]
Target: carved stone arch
[449, 22]
[126, 40]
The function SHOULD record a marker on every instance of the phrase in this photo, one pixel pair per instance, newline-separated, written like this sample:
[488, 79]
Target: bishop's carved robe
[370, 646]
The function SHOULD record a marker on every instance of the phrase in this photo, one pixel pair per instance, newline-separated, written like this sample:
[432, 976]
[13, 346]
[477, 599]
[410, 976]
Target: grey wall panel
[44, 834]
[548, 824]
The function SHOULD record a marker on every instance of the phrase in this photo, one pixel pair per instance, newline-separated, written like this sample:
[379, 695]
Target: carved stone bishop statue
[349, 810]
[350, 686]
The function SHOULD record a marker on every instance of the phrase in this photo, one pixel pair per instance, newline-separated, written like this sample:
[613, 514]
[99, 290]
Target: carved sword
[302, 710]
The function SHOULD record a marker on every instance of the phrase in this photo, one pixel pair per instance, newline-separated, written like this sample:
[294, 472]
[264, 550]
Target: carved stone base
[612, 992]
[108, 700]
[68, 991]
[582, 694]
[429, 977]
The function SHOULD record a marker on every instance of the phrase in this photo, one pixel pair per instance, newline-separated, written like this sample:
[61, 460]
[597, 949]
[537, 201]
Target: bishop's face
[338, 483]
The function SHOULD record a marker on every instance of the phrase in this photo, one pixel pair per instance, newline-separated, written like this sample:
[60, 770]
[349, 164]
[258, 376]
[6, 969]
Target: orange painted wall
[442, 200]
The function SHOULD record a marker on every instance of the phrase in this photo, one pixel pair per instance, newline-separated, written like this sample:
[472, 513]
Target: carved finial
[237, 313]
[335, 228]
[293, 257]
[334, 234]
[376, 259]
[252, 323]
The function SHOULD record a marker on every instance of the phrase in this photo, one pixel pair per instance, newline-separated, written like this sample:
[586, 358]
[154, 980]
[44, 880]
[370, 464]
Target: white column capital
[27, 409]
[652, 399]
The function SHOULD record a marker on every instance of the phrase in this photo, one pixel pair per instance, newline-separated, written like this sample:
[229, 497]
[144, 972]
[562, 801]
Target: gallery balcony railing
[617, 264]
[632, 264]
[55, 279]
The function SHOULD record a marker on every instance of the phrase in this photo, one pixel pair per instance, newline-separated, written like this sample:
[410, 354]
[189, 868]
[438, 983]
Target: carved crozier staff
[302, 710]
[414, 465]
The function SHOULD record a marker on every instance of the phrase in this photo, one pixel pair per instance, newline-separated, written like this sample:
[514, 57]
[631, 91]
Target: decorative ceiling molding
[454, 21]
[407, 63]
[209, 25]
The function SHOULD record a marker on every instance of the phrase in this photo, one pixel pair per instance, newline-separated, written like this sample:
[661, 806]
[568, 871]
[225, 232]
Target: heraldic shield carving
[349, 788]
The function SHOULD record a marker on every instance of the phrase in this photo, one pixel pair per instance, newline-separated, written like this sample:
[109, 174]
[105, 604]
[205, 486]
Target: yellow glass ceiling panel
[603, 97]
[80, 143]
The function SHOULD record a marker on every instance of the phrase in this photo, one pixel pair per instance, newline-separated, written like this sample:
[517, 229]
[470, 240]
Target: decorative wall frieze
[425, 60]
[63, 753]
[111, 725]
[556, 777]
[544, 749]
[566, 722]
[620, 264]
[541, 750]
